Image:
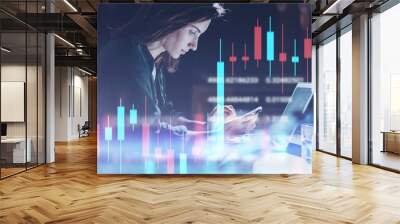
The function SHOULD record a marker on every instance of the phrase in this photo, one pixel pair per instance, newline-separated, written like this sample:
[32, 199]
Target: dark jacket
[125, 73]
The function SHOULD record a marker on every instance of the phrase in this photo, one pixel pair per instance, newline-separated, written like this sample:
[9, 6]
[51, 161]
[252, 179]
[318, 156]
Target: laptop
[282, 131]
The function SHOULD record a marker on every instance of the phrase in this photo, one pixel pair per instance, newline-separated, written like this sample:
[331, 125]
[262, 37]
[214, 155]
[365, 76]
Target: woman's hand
[179, 130]
[233, 124]
[229, 113]
[240, 125]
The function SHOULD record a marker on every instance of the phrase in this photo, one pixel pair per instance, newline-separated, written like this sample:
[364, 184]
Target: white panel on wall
[13, 73]
[12, 101]
[77, 102]
[71, 103]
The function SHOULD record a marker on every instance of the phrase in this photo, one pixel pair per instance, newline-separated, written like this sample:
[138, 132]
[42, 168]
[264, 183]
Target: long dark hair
[155, 23]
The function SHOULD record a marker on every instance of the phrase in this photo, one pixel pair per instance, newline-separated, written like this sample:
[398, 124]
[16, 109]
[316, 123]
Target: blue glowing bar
[133, 116]
[270, 46]
[108, 134]
[220, 87]
[220, 100]
[220, 83]
[183, 163]
[220, 92]
[149, 166]
[121, 123]
[295, 58]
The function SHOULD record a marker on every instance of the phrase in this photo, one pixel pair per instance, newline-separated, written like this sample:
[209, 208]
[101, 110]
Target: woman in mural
[136, 64]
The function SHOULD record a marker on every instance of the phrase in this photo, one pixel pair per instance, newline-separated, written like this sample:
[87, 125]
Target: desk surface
[391, 132]
[13, 140]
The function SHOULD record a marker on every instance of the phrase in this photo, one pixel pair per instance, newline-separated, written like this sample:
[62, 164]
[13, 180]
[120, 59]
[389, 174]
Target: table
[16, 147]
[391, 141]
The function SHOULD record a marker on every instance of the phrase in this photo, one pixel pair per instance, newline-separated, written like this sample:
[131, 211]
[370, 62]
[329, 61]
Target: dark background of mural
[188, 88]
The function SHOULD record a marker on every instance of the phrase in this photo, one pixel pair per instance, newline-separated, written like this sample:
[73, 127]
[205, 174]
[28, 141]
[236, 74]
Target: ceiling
[76, 20]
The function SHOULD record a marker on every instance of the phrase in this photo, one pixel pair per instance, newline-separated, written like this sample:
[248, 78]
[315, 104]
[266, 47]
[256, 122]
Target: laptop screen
[292, 115]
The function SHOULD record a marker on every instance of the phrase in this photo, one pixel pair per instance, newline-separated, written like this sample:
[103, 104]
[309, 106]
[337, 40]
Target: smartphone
[255, 111]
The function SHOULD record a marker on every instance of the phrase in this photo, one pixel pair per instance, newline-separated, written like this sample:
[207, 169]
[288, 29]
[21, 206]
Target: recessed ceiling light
[84, 71]
[337, 7]
[5, 50]
[70, 5]
[64, 40]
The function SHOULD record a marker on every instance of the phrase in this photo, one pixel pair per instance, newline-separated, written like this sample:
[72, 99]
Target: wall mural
[204, 89]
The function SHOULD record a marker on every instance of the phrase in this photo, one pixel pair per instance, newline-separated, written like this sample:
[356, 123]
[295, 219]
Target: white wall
[71, 94]
[16, 73]
[12, 73]
[80, 102]
[33, 127]
[61, 103]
